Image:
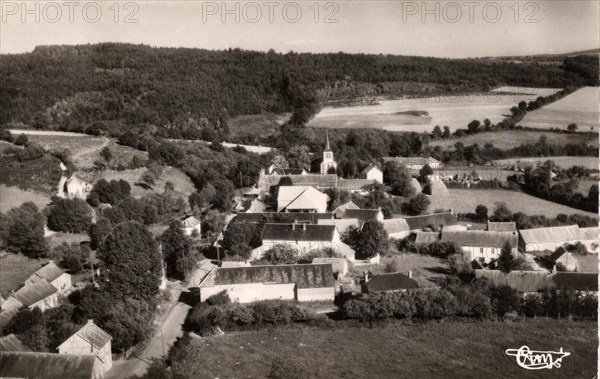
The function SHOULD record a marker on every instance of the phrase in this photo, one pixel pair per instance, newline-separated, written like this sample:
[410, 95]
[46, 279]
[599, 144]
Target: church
[327, 165]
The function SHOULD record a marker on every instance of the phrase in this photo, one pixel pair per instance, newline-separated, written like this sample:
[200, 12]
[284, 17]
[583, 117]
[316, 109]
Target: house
[301, 199]
[90, 339]
[342, 225]
[304, 238]
[415, 163]
[191, 224]
[339, 211]
[355, 185]
[436, 221]
[25, 364]
[364, 214]
[274, 217]
[372, 172]
[52, 274]
[304, 282]
[395, 282]
[550, 238]
[397, 228]
[562, 260]
[75, 187]
[327, 165]
[481, 245]
[501, 226]
[12, 343]
[40, 294]
[426, 237]
[338, 265]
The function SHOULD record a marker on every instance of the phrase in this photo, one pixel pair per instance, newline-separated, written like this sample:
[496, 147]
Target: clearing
[466, 200]
[449, 349]
[506, 139]
[14, 269]
[580, 107]
[422, 115]
[13, 197]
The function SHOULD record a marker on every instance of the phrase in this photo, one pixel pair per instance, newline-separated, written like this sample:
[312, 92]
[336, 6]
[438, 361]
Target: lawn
[452, 349]
[506, 139]
[580, 107]
[465, 201]
[13, 197]
[14, 269]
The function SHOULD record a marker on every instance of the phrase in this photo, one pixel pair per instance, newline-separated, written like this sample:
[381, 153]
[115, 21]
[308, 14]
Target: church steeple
[328, 164]
[327, 147]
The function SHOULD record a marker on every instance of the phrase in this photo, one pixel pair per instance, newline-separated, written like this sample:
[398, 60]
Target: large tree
[507, 260]
[416, 205]
[369, 240]
[176, 248]
[24, 231]
[69, 215]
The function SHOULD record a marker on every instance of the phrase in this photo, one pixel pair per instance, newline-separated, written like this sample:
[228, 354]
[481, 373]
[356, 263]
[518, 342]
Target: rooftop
[49, 272]
[395, 225]
[12, 343]
[354, 184]
[35, 292]
[304, 275]
[298, 232]
[275, 217]
[436, 220]
[93, 334]
[426, 237]
[552, 234]
[362, 214]
[46, 365]
[191, 222]
[502, 226]
[411, 160]
[480, 238]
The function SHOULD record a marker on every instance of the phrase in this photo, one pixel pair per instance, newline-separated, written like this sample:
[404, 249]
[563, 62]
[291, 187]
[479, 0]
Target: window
[328, 155]
[481, 250]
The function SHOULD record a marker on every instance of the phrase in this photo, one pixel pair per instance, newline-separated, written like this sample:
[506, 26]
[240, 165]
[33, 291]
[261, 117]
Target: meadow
[423, 114]
[449, 349]
[13, 197]
[580, 107]
[466, 200]
[15, 269]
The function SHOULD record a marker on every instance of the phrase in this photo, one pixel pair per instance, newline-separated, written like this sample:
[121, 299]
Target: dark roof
[557, 254]
[354, 184]
[12, 343]
[35, 292]
[305, 275]
[6, 315]
[426, 237]
[317, 180]
[576, 281]
[288, 171]
[272, 217]
[411, 160]
[436, 219]
[502, 226]
[92, 333]
[394, 282]
[362, 214]
[480, 238]
[49, 272]
[298, 232]
[45, 365]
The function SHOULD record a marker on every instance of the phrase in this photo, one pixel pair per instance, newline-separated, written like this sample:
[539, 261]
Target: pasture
[507, 139]
[466, 200]
[449, 349]
[422, 115]
[15, 269]
[13, 197]
[580, 107]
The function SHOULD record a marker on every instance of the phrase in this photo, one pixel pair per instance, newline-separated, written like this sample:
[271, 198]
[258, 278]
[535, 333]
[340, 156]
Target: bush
[219, 299]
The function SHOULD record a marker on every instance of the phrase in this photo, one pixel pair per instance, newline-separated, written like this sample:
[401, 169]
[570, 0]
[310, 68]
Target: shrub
[219, 299]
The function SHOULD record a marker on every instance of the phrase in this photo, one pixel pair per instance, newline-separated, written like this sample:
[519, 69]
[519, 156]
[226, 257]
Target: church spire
[327, 147]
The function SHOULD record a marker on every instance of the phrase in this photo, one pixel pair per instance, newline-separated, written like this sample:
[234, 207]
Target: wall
[474, 252]
[316, 294]
[247, 293]
[375, 175]
[62, 283]
[47, 303]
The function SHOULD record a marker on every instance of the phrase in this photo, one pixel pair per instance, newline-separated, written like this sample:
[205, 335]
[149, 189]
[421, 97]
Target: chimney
[294, 226]
[410, 274]
[366, 276]
[90, 322]
[304, 226]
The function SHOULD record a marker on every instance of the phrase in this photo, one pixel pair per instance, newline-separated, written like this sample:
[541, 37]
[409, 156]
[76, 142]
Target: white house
[540, 239]
[90, 340]
[77, 188]
[480, 245]
[40, 294]
[562, 260]
[304, 282]
[190, 224]
[52, 274]
[372, 172]
[301, 199]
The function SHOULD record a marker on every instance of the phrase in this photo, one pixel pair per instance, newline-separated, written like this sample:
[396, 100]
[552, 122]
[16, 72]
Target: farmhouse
[397, 228]
[339, 211]
[551, 238]
[12, 343]
[364, 214]
[436, 221]
[481, 245]
[77, 188]
[372, 172]
[562, 260]
[52, 274]
[305, 282]
[415, 163]
[395, 282]
[301, 199]
[90, 339]
[191, 224]
[40, 294]
[25, 364]
[501, 226]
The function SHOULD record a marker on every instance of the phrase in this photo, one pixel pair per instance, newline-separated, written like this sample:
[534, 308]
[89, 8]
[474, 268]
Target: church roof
[327, 146]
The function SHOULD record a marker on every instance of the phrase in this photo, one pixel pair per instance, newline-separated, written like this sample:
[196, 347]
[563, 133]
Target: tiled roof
[46, 365]
[370, 167]
[480, 238]
[191, 222]
[12, 343]
[288, 171]
[93, 334]
[522, 281]
[362, 214]
[353, 184]
[341, 224]
[274, 217]
[557, 254]
[298, 232]
[502, 226]
[35, 292]
[436, 219]
[49, 272]
[426, 237]
[395, 225]
[342, 208]
[305, 275]
[300, 197]
[552, 234]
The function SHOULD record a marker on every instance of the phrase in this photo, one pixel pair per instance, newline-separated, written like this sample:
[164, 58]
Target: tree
[223, 194]
[398, 178]
[481, 213]
[501, 213]
[106, 154]
[149, 178]
[176, 248]
[111, 192]
[473, 126]
[425, 172]
[572, 127]
[368, 241]
[285, 181]
[446, 133]
[25, 231]
[22, 140]
[238, 238]
[132, 261]
[299, 157]
[203, 197]
[281, 255]
[437, 132]
[507, 261]
[69, 215]
[416, 205]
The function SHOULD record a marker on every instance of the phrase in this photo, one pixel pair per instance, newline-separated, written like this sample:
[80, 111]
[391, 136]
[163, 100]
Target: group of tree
[22, 231]
[367, 241]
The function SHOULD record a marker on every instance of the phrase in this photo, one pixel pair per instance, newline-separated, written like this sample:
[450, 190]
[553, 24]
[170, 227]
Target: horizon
[440, 29]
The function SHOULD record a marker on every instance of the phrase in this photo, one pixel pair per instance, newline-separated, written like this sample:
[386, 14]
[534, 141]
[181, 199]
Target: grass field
[252, 128]
[507, 139]
[564, 162]
[40, 175]
[465, 201]
[453, 349]
[13, 197]
[14, 269]
[182, 183]
[580, 107]
[421, 115]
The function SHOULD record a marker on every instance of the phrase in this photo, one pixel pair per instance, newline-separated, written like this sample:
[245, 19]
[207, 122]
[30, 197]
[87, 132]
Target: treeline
[115, 86]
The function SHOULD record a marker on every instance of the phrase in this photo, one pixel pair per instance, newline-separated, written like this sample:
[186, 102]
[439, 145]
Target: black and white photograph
[305, 189]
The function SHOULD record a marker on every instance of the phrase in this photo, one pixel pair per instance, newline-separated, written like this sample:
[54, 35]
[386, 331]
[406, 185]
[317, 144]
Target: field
[465, 201]
[13, 197]
[40, 175]
[580, 107]
[507, 139]
[422, 115]
[14, 269]
[451, 349]
[252, 128]
[564, 162]
[181, 182]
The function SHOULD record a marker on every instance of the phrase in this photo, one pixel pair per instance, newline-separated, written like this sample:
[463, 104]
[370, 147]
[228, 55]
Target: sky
[458, 29]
